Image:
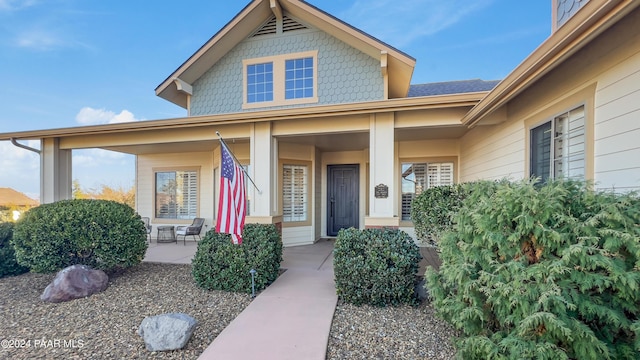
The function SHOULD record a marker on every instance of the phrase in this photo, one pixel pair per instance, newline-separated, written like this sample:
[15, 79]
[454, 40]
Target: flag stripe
[232, 202]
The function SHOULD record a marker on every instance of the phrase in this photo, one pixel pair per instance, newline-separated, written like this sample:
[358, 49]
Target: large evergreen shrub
[219, 264]
[8, 264]
[544, 272]
[375, 266]
[99, 233]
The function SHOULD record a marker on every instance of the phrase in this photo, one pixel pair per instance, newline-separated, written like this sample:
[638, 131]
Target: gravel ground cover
[104, 325]
[403, 332]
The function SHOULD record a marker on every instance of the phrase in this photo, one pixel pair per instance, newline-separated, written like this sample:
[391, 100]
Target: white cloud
[91, 116]
[11, 5]
[20, 168]
[96, 157]
[401, 22]
[39, 40]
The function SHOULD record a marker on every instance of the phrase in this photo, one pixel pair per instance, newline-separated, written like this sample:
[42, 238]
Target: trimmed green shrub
[433, 210]
[219, 264]
[99, 233]
[544, 271]
[375, 266]
[8, 264]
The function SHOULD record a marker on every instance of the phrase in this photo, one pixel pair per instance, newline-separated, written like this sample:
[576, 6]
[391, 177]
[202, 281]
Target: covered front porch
[315, 171]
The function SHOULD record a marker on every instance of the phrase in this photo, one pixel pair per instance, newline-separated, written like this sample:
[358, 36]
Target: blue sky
[67, 63]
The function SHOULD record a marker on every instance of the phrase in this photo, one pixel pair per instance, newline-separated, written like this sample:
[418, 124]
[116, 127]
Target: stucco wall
[344, 73]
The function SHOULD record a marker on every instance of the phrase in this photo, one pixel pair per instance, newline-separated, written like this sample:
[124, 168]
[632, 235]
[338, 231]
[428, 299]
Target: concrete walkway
[291, 319]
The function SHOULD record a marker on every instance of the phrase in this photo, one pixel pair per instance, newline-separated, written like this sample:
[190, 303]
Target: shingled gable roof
[451, 87]
[398, 65]
[10, 196]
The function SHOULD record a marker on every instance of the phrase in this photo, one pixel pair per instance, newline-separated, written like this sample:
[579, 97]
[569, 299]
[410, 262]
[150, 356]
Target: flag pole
[237, 162]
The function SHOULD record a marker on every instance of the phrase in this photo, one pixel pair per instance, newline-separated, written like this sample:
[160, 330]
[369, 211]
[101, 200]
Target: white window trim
[278, 62]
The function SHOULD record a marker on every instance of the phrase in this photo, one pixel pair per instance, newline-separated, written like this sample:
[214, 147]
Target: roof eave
[404, 104]
[213, 50]
[593, 19]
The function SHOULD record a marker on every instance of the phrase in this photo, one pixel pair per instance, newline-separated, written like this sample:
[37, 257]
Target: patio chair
[148, 227]
[192, 230]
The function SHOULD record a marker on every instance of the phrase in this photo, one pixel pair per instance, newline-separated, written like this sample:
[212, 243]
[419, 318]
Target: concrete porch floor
[172, 253]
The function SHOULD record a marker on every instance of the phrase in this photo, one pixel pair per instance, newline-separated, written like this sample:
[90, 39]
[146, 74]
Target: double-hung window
[176, 195]
[295, 194]
[299, 78]
[416, 177]
[260, 82]
[558, 147]
[281, 80]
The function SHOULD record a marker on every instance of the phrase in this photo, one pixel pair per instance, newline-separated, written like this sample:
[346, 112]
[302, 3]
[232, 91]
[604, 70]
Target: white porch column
[55, 172]
[382, 153]
[264, 171]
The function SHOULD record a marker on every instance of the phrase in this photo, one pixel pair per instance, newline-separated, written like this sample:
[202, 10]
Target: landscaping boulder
[73, 282]
[167, 331]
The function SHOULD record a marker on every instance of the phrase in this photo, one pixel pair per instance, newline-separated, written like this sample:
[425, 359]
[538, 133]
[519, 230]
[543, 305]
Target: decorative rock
[166, 331]
[73, 282]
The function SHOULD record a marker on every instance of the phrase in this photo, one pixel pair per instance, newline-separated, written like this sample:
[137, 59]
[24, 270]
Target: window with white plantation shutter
[439, 174]
[294, 193]
[176, 194]
[417, 177]
[558, 147]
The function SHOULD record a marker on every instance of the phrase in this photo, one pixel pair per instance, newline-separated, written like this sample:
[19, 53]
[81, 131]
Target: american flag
[232, 203]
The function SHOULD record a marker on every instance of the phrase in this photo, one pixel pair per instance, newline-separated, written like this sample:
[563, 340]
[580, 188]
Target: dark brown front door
[342, 198]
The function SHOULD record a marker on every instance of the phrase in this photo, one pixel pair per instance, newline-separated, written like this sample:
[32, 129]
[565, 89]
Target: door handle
[333, 201]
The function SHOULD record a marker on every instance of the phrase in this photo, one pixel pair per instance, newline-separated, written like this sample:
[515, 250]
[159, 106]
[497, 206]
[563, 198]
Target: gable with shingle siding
[345, 74]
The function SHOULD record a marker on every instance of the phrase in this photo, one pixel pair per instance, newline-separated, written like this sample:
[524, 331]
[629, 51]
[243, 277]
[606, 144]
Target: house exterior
[326, 121]
[13, 203]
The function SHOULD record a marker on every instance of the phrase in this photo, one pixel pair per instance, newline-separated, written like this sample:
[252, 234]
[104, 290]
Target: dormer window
[288, 79]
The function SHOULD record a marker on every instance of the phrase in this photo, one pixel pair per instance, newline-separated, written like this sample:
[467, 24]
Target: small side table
[166, 234]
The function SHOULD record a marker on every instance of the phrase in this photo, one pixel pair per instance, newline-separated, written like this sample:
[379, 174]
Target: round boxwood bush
[542, 271]
[375, 266]
[219, 264]
[433, 210]
[8, 264]
[99, 233]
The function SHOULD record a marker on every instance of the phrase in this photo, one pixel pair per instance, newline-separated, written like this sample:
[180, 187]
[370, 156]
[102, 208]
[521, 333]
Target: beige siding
[617, 129]
[146, 190]
[493, 152]
[293, 236]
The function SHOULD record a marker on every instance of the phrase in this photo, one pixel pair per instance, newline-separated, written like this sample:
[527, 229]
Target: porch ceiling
[167, 148]
[332, 142]
[430, 133]
[354, 141]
